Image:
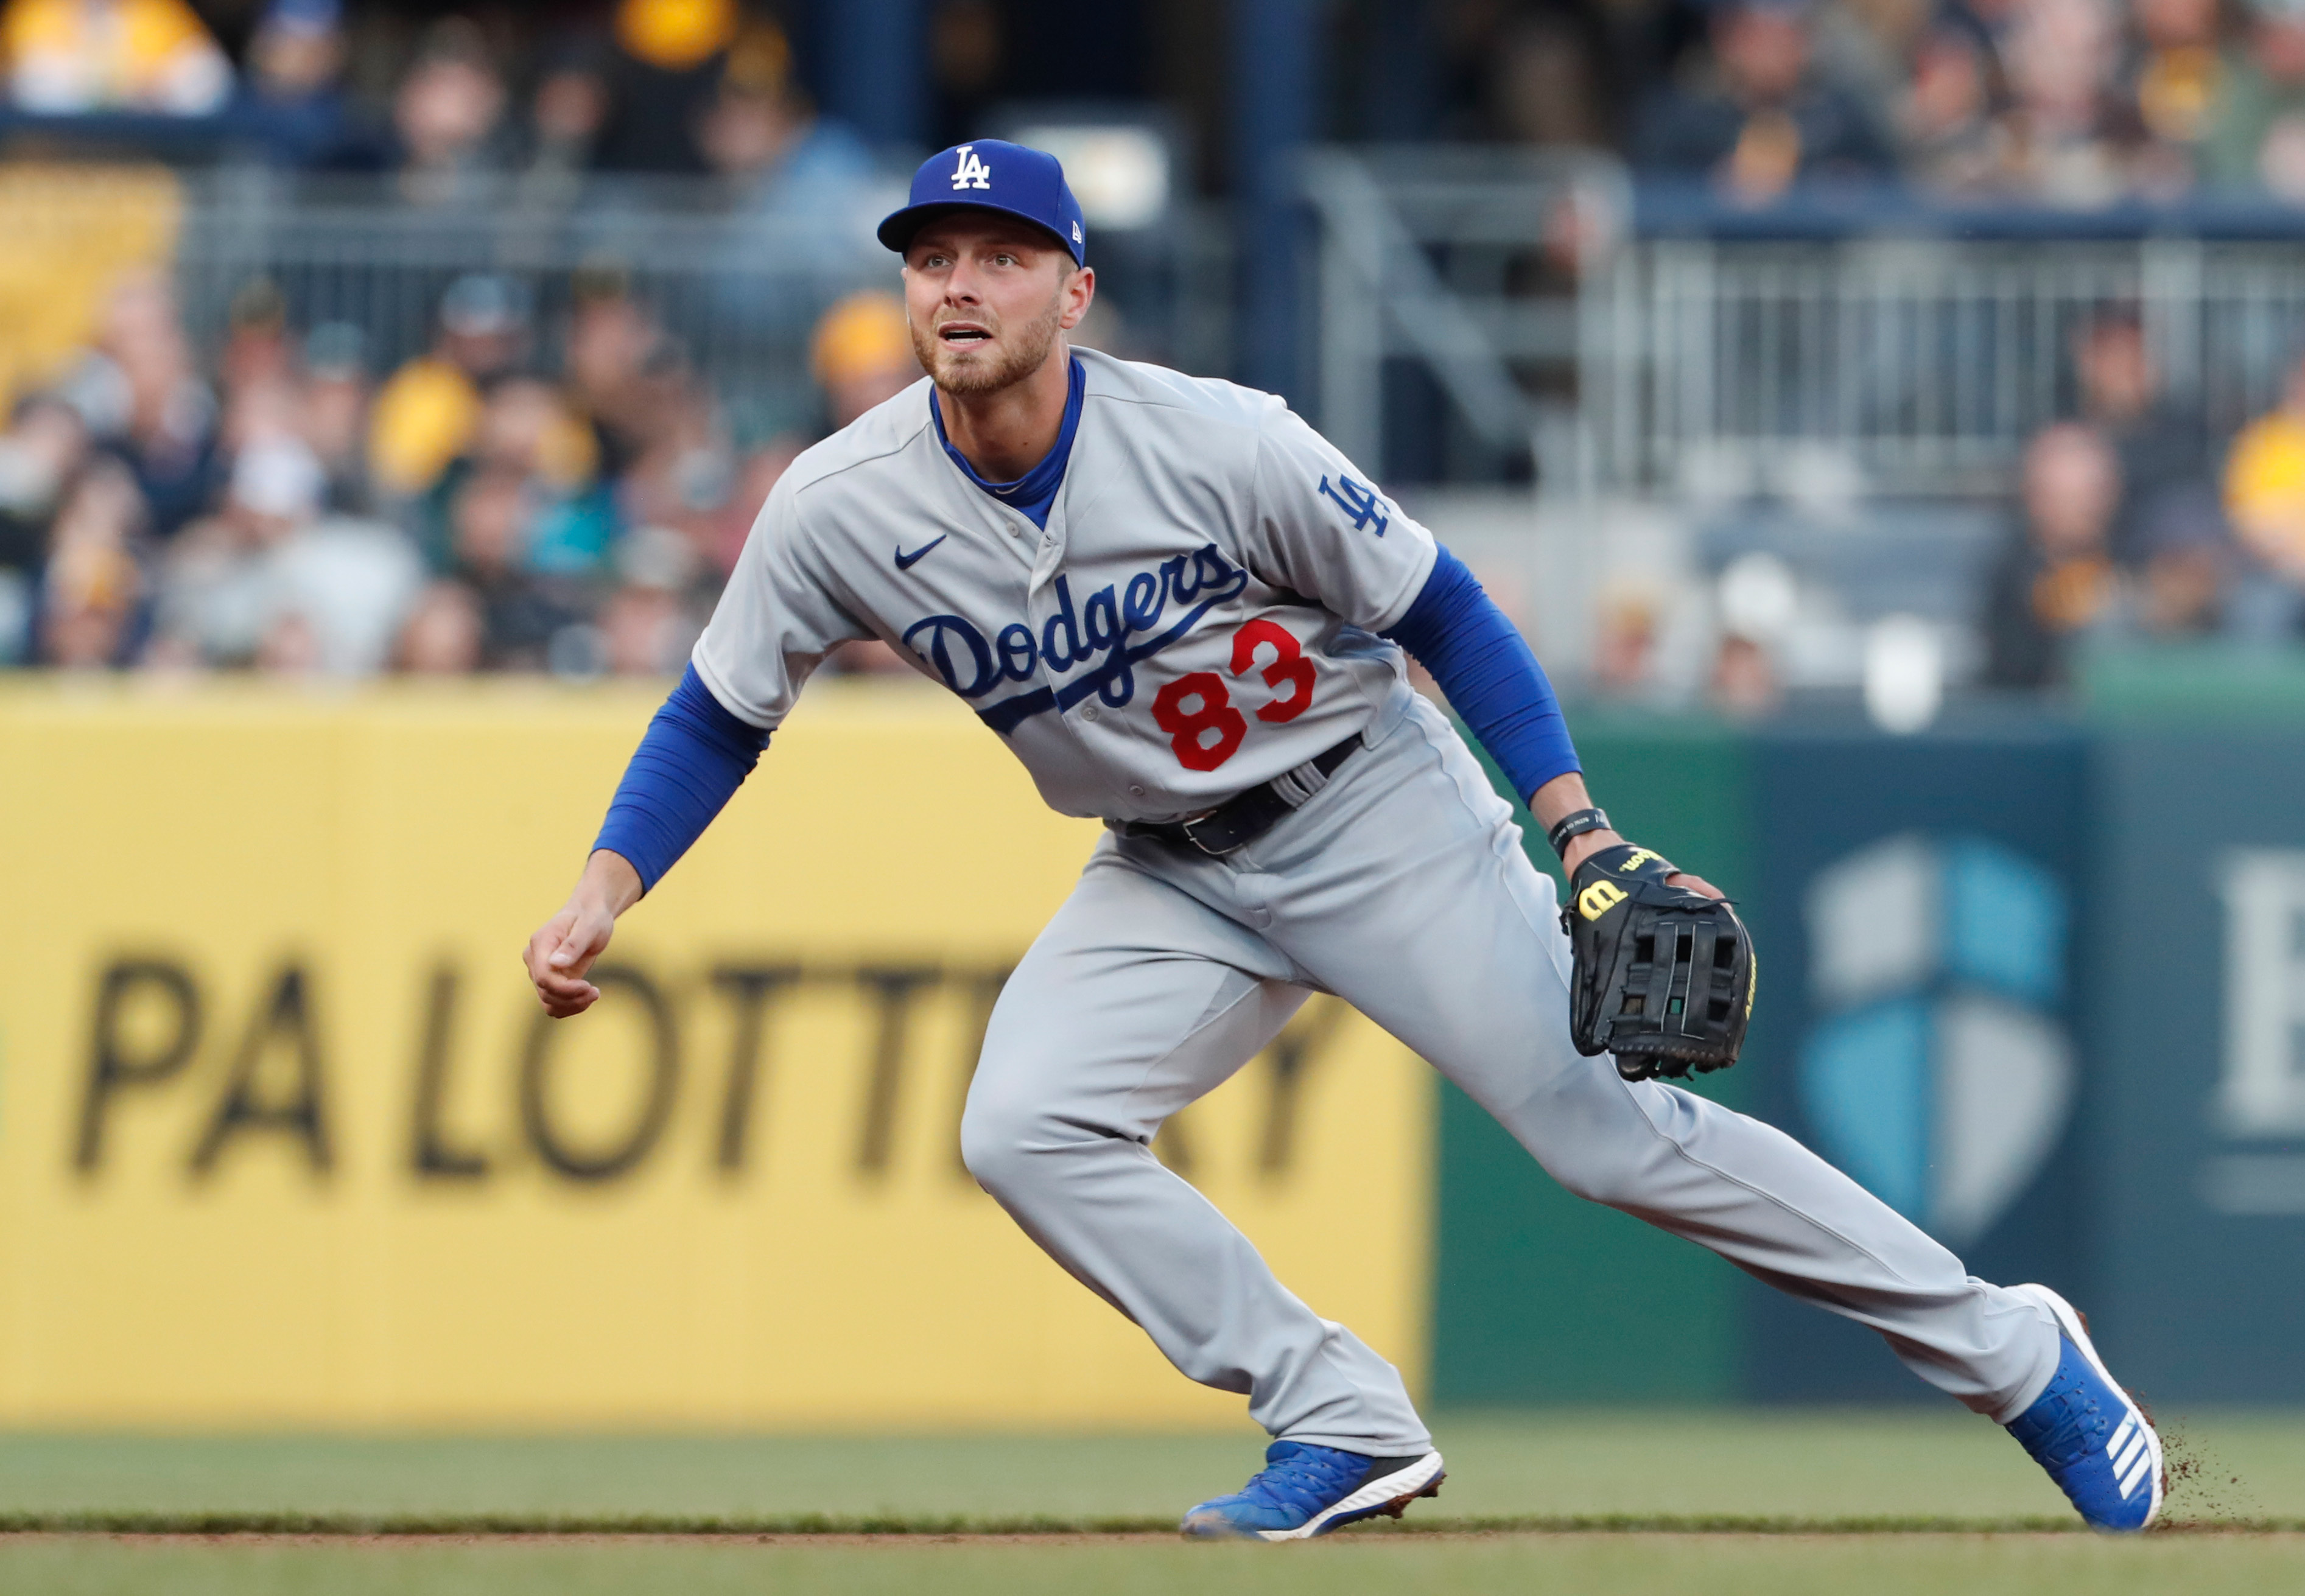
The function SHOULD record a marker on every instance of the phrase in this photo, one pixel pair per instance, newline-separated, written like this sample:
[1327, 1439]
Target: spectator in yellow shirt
[429, 410]
[862, 354]
[2265, 483]
[69, 57]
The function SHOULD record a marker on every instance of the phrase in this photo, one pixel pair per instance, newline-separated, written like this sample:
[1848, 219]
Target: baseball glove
[1663, 976]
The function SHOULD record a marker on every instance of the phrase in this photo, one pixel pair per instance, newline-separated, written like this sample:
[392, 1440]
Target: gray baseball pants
[1402, 889]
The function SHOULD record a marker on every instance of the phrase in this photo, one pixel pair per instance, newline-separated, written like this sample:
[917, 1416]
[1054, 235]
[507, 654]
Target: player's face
[986, 300]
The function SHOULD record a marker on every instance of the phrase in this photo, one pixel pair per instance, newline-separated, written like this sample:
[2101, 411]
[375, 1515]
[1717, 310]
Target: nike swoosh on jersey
[905, 561]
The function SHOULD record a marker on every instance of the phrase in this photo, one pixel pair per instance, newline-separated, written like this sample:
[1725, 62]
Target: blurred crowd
[2062, 102]
[562, 490]
[528, 493]
[2070, 103]
[665, 87]
[2129, 523]
[2132, 524]
[286, 508]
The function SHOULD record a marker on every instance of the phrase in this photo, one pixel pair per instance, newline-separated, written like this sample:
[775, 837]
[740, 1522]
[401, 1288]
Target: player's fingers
[560, 992]
[1694, 884]
[563, 992]
[584, 941]
[558, 982]
[538, 954]
[563, 1002]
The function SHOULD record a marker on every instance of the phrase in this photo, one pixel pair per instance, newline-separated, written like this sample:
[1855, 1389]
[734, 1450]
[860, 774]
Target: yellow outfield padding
[283, 1141]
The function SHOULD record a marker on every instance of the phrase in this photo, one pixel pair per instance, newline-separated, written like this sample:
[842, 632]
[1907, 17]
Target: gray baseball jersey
[1200, 616]
[1197, 618]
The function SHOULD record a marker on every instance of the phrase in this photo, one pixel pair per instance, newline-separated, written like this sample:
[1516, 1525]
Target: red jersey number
[1197, 713]
[1205, 736]
[1288, 664]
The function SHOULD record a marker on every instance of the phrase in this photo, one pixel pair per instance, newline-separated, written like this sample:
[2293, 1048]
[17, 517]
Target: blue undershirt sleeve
[1491, 679]
[690, 763]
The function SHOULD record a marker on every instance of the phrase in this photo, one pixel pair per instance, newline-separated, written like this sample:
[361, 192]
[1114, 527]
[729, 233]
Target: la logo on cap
[972, 172]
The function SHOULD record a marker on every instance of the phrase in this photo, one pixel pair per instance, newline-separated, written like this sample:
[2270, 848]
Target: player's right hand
[564, 948]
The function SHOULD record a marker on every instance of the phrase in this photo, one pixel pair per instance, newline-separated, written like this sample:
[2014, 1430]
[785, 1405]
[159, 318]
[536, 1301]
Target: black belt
[1240, 820]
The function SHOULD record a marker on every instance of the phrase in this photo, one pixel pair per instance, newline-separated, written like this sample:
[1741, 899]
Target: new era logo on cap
[992, 175]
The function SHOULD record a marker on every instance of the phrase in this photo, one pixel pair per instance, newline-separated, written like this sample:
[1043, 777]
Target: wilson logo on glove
[1666, 986]
[1598, 899]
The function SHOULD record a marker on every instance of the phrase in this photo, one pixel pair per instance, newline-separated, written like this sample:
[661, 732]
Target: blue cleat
[1305, 1491]
[2096, 1444]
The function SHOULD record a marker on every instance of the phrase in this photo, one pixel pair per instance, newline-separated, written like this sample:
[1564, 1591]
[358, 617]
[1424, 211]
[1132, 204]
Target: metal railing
[1884, 348]
[1918, 365]
[1512, 280]
[737, 291]
[738, 284]
[1462, 262]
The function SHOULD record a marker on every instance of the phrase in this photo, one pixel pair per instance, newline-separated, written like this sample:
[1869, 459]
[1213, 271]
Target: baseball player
[1189, 616]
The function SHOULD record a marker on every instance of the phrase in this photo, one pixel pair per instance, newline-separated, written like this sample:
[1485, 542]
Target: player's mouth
[962, 335]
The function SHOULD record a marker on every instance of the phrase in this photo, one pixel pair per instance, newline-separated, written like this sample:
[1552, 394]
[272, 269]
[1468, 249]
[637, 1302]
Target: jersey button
[1089, 713]
[1135, 791]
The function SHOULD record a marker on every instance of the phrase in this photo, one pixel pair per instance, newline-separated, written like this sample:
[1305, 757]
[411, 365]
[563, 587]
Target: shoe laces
[1303, 1478]
[2073, 1427]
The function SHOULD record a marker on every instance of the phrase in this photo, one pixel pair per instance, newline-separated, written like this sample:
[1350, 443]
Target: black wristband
[1573, 825]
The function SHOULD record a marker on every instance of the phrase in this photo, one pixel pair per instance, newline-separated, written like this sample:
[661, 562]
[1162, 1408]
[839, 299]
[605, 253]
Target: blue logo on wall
[1938, 1073]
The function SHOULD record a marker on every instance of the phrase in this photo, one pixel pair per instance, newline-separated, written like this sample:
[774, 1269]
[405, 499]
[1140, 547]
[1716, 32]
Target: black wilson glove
[1665, 975]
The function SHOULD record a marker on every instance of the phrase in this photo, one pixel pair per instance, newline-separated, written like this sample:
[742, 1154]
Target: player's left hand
[1663, 968]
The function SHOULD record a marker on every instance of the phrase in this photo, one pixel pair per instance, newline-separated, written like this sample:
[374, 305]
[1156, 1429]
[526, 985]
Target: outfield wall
[1539, 1296]
[2039, 980]
[283, 1139]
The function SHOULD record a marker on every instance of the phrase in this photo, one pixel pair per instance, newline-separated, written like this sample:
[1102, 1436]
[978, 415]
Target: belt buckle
[1192, 836]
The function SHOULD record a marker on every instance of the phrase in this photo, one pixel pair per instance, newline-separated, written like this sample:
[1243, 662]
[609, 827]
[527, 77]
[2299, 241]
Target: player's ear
[1079, 292]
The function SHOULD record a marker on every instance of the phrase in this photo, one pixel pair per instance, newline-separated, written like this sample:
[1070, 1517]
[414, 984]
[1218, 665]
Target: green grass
[1808, 1466]
[2043, 1566]
[1721, 1503]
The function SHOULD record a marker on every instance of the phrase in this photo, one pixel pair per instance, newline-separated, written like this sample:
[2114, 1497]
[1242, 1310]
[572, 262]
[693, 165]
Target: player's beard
[1018, 357]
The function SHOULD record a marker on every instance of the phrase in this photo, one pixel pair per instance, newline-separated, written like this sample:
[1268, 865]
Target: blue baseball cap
[992, 175]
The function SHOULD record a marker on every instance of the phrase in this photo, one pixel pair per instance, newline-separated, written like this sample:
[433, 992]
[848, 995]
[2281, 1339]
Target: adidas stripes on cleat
[1305, 1491]
[2096, 1442]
